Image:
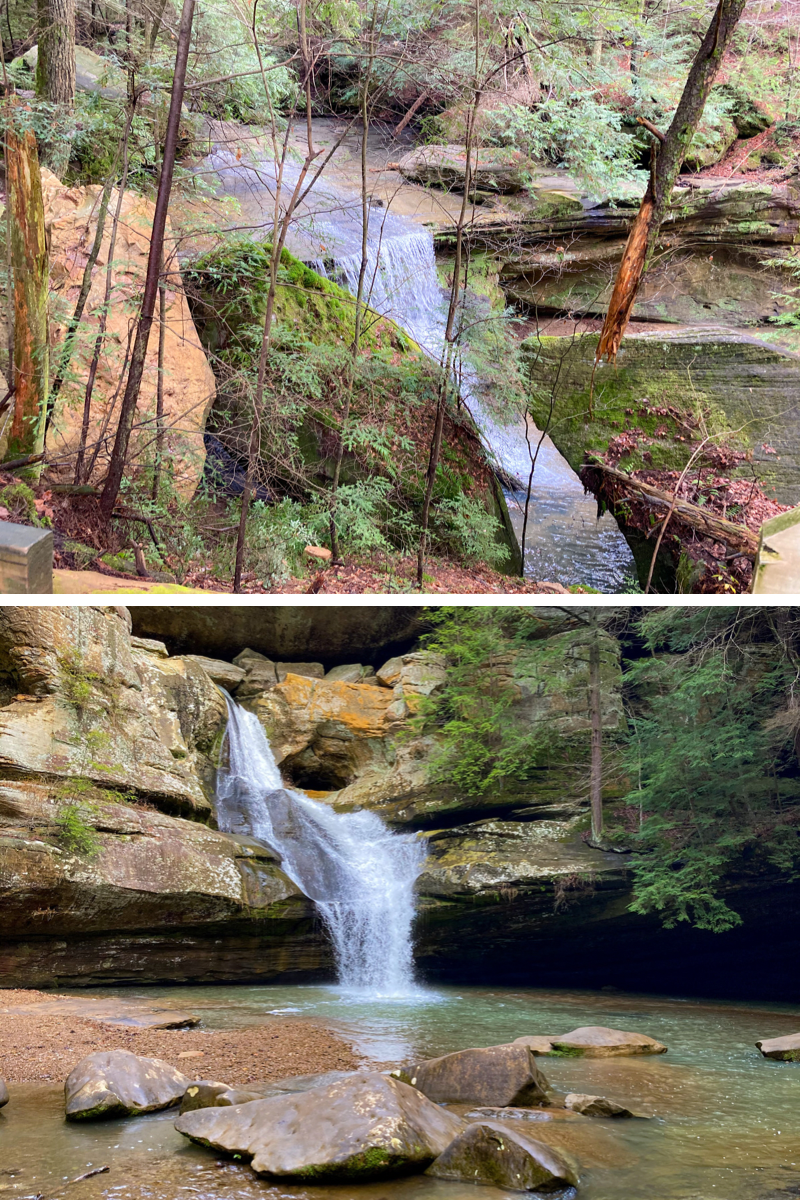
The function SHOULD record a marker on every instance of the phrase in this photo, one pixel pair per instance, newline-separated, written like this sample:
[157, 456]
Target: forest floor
[43, 1048]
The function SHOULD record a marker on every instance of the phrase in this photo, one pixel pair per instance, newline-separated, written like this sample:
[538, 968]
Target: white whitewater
[359, 873]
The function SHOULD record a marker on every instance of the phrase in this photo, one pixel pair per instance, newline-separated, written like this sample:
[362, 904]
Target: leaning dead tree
[669, 151]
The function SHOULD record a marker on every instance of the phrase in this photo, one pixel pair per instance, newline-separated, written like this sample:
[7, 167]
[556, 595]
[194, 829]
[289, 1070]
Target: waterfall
[358, 872]
[566, 541]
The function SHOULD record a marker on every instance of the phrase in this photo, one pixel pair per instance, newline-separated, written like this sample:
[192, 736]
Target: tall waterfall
[358, 872]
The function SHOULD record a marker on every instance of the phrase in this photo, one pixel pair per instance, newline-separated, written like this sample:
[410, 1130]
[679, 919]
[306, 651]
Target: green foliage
[77, 682]
[76, 833]
[480, 748]
[463, 526]
[715, 752]
[20, 500]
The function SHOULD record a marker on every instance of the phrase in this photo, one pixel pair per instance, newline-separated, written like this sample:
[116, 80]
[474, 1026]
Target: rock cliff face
[111, 870]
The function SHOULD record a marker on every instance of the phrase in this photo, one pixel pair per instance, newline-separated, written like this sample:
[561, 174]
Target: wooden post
[30, 284]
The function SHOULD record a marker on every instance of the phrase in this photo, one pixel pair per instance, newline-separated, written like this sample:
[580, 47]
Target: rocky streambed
[720, 1115]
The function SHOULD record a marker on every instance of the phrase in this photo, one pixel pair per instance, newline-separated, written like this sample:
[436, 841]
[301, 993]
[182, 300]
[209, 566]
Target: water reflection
[724, 1120]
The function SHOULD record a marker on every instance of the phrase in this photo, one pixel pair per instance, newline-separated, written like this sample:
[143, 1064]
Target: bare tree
[155, 257]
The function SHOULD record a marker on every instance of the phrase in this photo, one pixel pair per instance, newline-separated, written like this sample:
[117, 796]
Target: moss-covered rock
[657, 392]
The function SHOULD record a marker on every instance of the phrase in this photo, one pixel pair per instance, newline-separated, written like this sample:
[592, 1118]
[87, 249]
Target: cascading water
[358, 872]
[566, 541]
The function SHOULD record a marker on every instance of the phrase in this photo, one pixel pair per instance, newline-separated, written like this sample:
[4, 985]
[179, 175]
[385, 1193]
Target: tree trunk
[131, 398]
[55, 66]
[671, 152]
[596, 767]
[30, 284]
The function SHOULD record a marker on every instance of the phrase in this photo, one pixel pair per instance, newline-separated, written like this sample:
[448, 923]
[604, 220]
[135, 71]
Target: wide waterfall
[566, 541]
[358, 872]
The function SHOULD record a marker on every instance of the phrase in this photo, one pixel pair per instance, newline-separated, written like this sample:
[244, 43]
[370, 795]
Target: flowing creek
[725, 1120]
[565, 542]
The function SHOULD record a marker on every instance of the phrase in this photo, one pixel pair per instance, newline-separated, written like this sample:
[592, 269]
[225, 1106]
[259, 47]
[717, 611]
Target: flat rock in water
[539, 1045]
[492, 1154]
[3, 1093]
[520, 1114]
[595, 1106]
[499, 1076]
[115, 1083]
[154, 1020]
[597, 1041]
[784, 1049]
[365, 1126]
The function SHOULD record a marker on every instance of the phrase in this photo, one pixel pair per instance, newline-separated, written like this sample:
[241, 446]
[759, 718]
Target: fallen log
[736, 537]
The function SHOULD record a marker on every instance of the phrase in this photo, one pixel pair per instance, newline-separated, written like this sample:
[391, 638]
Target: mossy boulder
[364, 1126]
[745, 390]
[747, 116]
[118, 1083]
[492, 1154]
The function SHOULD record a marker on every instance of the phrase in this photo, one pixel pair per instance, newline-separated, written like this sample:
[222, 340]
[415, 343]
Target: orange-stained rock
[323, 732]
[189, 387]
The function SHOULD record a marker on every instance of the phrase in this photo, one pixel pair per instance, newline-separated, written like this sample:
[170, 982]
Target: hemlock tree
[55, 65]
[716, 753]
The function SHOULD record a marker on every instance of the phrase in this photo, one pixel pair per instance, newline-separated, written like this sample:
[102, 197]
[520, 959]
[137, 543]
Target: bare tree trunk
[55, 65]
[162, 337]
[131, 397]
[361, 274]
[671, 152]
[596, 766]
[280, 228]
[30, 284]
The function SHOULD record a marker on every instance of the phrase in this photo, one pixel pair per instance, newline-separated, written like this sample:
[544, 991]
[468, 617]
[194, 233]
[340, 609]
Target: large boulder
[598, 1041]
[749, 119]
[535, 1043]
[226, 675]
[784, 1049]
[93, 73]
[493, 1154]
[189, 386]
[3, 1093]
[500, 1076]
[117, 1083]
[498, 169]
[365, 1126]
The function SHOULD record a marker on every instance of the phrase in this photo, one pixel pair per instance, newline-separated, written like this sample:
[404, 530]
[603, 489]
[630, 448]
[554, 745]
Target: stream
[566, 542]
[724, 1119]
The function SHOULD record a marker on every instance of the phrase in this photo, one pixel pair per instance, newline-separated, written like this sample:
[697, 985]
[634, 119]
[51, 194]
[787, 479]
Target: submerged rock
[784, 1049]
[597, 1041]
[499, 1076]
[595, 1106]
[492, 1154]
[117, 1083]
[366, 1126]
[3, 1093]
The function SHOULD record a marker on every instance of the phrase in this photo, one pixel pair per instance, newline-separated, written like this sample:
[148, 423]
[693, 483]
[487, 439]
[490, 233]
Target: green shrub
[76, 832]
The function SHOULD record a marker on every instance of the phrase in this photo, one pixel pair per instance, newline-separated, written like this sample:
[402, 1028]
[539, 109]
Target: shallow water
[724, 1121]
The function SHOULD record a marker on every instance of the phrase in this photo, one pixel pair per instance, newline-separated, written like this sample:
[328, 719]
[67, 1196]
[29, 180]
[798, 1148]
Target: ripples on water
[725, 1121]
